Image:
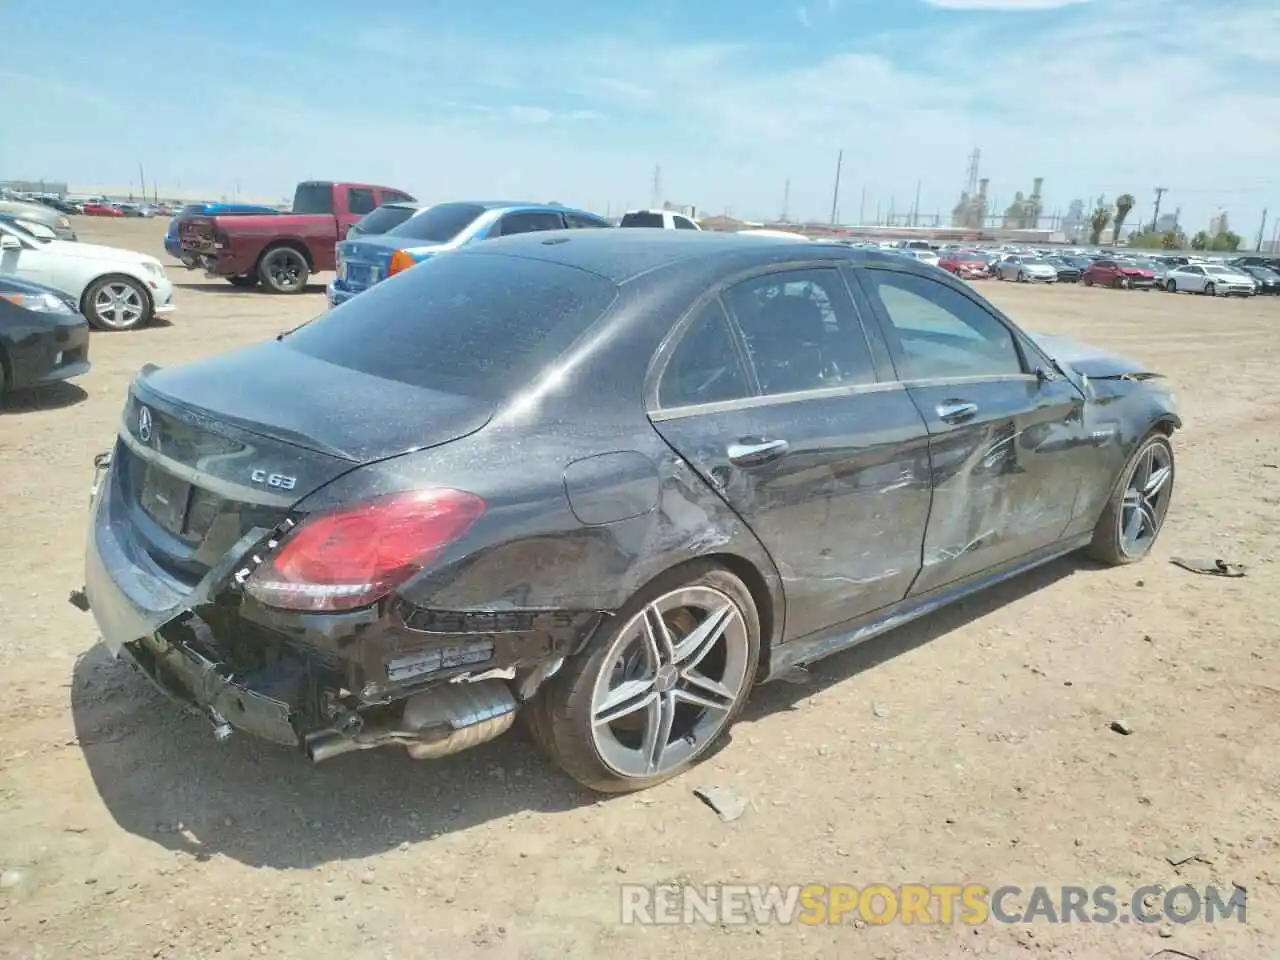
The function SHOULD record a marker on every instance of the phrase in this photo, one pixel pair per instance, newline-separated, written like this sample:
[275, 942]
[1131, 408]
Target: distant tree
[1098, 221]
[1124, 203]
[1226, 241]
[1174, 240]
[1201, 241]
[1146, 240]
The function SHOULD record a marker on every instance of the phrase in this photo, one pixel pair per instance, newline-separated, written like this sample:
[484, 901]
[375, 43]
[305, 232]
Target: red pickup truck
[281, 251]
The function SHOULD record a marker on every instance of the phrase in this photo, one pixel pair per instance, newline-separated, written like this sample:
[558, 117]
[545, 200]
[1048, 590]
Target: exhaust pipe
[442, 721]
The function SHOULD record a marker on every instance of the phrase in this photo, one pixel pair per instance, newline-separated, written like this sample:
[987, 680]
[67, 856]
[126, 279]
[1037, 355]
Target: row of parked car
[1242, 276]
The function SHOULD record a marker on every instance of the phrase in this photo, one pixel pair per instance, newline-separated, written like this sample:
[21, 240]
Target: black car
[608, 479]
[43, 337]
[1268, 279]
[1069, 270]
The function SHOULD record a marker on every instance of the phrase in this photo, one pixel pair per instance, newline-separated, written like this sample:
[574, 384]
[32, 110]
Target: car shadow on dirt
[225, 287]
[162, 776]
[51, 396]
[782, 695]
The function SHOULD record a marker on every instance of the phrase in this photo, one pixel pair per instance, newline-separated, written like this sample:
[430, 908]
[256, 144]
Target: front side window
[802, 331]
[704, 367]
[941, 332]
[684, 223]
[580, 221]
[529, 221]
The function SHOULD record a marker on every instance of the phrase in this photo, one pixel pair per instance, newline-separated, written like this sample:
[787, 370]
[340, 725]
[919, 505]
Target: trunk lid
[364, 262]
[210, 450]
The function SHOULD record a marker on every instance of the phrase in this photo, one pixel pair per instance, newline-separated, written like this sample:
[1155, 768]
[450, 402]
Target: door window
[394, 196]
[684, 223]
[580, 221]
[529, 221]
[941, 332]
[705, 366]
[802, 331]
[360, 200]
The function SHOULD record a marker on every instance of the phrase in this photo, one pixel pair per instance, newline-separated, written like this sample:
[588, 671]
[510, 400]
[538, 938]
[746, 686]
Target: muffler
[445, 720]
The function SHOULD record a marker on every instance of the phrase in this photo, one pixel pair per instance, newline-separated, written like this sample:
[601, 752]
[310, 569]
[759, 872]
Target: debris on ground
[80, 600]
[1210, 568]
[1121, 727]
[796, 675]
[1180, 857]
[727, 804]
[881, 710]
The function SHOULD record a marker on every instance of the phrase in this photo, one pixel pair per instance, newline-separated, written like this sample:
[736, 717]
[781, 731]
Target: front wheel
[1122, 282]
[1139, 502]
[283, 270]
[116, 303]
[1022, 277]
[1171, 286]
[1210, 290]
[1087, 281]
[652, 693]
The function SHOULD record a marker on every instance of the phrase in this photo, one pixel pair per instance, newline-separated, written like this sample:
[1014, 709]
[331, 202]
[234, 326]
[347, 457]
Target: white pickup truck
[658, 219]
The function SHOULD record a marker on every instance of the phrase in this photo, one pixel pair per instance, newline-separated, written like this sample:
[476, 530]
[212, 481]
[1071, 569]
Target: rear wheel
[652, 694]
[116, 303]
[1135, 512]
[283, 270]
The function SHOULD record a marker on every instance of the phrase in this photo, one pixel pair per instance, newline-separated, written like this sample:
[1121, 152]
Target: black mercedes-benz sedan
[605, 479]
[43, 336]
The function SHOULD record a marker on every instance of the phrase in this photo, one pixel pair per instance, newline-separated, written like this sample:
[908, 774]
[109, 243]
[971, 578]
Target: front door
[773, 397]
[25, 260]
[1006, 437]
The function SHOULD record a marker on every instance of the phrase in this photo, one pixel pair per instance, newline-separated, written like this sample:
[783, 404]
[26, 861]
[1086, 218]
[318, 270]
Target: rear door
[1007, 437]
[773, 394]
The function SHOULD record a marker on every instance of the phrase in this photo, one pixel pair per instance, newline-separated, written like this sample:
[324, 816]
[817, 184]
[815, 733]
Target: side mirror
[8, 242]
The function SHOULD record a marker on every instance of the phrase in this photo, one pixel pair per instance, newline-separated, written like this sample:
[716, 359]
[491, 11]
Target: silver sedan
[1026, 269]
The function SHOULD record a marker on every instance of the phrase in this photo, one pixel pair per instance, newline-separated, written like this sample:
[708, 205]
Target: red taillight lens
[400, 260]
[348, 558]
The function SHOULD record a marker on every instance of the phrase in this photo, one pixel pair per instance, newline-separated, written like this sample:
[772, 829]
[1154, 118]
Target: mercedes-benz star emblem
[144, 425]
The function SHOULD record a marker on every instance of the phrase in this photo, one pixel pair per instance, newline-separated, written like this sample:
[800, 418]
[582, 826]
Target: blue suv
[368, 260]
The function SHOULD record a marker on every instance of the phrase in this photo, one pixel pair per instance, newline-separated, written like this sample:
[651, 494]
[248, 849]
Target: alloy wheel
[119, 305]
[1146, 500]
[669, 682]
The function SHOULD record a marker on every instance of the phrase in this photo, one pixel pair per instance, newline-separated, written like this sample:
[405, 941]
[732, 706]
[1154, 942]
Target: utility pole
[862, 205]
[915, 208]
[786, 201]
[657, 187]
[142, 183]
[1261, 230]
[1155, 217]
[835, 193]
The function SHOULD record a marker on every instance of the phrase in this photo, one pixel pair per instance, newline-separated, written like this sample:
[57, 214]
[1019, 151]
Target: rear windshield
[313, 198]
[470, 323]
[438, 224]
[641, 220]
[384, 218]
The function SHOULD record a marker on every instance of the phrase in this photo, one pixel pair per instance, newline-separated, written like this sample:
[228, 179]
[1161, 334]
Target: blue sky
[578, 102]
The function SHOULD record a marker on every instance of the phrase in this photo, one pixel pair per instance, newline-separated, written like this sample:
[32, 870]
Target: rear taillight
[350, 557]
[400, 260]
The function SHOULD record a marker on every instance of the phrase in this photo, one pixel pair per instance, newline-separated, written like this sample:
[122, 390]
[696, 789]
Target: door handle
[747, 454]
[956, 411]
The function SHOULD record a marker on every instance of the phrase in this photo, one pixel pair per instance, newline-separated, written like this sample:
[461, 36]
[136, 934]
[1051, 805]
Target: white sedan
[1210, 279]
[116, 289]
[1026, 269]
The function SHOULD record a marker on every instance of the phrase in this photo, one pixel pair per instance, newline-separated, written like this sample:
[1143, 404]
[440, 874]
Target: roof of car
[620, 255]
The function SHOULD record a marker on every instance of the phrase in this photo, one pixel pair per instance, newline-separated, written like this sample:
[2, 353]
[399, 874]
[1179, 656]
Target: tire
[1171, 286]
[245, 281]
[1210, 290]
[1112, 543]
[610, 757]
[1022, 277]
[283, 270]
[1087, 281]
[1122, 282]
[116, 302]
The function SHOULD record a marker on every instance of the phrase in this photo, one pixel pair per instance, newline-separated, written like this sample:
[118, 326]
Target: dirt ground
[973, 746]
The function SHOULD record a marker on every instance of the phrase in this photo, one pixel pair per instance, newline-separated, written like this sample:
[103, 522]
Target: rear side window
[469, 323]
[395, 196]
[642, 220]
[360, 200]
[580, 221]
[438, 224]
[529, 221]
[705, 367]
[312, 198]
[384, 218]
